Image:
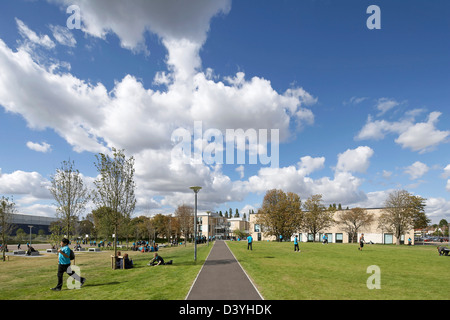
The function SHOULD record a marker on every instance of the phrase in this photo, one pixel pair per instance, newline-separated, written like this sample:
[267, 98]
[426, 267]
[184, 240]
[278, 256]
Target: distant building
[336, 234]
[214, 225]
[22, 221]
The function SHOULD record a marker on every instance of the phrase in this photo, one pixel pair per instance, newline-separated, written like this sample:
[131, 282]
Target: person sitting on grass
[443, 251]
[158, 260]
[128, 262]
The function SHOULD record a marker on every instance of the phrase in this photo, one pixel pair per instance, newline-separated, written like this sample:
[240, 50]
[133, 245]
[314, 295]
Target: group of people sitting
[144, 246]
[124, 262]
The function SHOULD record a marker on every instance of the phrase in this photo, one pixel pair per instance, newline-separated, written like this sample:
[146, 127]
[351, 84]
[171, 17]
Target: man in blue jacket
[64, 264]
[250, 243]
[296, 248]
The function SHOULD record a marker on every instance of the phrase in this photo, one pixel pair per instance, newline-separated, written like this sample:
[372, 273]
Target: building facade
[27, 222]
[211, 224]
[336, 234]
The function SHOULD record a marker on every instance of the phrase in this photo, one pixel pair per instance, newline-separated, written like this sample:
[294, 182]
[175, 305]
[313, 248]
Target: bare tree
[354, 220]
[316, 216]
[70, 194]
[7, 209]
[115, 188]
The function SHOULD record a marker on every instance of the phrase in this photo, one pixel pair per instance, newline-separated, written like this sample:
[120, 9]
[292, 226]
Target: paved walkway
[222, 278]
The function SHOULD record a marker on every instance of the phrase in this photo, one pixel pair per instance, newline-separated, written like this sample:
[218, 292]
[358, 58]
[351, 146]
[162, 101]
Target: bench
[19, 252]
[35, 253]
[52, 251]
[82, 249]
[94, 250]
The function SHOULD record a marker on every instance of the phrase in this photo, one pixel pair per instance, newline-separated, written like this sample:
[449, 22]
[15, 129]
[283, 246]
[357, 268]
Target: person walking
[64, 264]
[296, 248]
[361, 242]
[250, 243]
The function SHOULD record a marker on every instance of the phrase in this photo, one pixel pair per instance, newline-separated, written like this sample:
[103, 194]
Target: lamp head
[196, 189]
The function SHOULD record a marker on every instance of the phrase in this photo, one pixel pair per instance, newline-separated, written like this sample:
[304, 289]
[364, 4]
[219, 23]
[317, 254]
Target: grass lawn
[30, 278]
[339, 271]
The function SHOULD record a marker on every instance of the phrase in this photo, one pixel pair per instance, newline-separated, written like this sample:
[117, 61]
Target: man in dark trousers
[64, 264]
[249, 243]
[296, 248]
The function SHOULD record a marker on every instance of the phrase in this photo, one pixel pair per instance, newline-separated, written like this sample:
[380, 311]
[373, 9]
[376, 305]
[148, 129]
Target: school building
[336, 234]
[211, 224]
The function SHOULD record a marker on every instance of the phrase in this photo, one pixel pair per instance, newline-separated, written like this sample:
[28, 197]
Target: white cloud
[39, 147]
[387, 174]
[31, 36]
[241, 171]
[355, 100]
[437, 209]
[171, 20]
[30, 184]
[63, 35]
[446, 173]
[417, 170]
[385, 104]
[356, 160]
[421, 137]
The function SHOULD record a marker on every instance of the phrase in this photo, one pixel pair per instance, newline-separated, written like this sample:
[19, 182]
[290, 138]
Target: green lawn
[339, 271]
[30, 278]
[323, 272]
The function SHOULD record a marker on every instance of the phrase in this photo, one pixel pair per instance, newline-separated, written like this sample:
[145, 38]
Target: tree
[280, 214]
[443, 225]
[185, 215]
[161, 224]
[400, 212]
[420, 219]
[353, 220]
[7, 209]
[316, 216]
[70, 194]
[115, 187]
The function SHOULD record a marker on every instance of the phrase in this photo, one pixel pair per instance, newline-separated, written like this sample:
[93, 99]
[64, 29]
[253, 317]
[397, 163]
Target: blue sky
[360, 112]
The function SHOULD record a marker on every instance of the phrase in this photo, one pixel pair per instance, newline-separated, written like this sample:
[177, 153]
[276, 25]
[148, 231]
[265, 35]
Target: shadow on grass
[102, 284]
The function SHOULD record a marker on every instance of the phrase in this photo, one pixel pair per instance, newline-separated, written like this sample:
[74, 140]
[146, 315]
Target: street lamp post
[196, 190]
[30, 233]
[208, 228]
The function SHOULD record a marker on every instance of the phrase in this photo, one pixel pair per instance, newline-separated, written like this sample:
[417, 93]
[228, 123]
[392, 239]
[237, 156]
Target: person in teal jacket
[249, 243]
[296, 248]
[64, 264]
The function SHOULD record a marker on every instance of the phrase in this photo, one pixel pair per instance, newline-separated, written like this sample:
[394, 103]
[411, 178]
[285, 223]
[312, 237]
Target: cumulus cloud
[417, 170]
[39, 147]
[446, 174]
[31, 184]
[356, 160]
[421, 136]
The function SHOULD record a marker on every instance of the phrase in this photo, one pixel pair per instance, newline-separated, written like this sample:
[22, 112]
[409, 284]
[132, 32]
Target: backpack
[72, 255]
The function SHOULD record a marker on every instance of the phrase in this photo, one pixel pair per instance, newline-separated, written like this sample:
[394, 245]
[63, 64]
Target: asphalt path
[222, 278]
